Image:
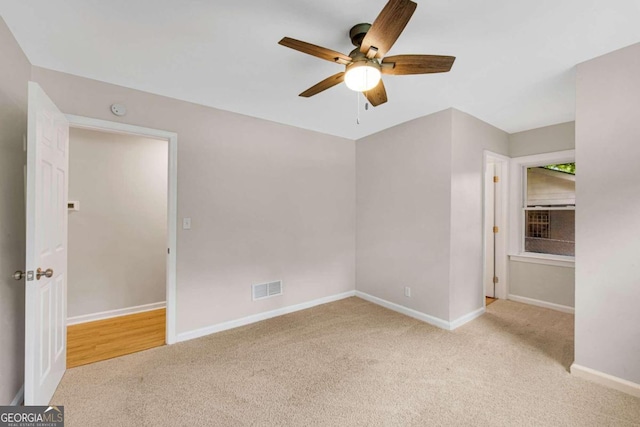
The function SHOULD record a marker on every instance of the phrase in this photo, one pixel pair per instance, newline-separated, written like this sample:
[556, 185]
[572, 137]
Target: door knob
[47, 273]
[19, 275]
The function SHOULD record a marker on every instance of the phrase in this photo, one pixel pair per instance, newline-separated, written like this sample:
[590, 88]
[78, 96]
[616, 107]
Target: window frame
[518, 208]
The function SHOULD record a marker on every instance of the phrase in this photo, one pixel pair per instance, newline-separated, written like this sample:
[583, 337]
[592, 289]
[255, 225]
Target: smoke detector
[118, 109]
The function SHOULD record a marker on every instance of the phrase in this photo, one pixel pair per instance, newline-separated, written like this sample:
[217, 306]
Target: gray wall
[548, 283]
[542, 140]
[267, 201]
[537, 281]
[14, 75]
[608, 219]
[420, 210]
[403, 213]
[118, 238]
[470, 137]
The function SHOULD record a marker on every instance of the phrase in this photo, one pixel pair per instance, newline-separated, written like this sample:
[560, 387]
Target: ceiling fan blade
[417, 64]
[387, 27]
[324, 85]
[317, 51]
[377, 95]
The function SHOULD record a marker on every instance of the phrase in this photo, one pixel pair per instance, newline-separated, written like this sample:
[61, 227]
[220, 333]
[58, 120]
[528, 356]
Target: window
[537, 225]
[549, 209]
[543, 195]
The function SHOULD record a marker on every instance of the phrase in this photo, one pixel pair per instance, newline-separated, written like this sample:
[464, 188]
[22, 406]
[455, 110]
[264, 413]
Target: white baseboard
[115, 313]
[466, 318]
[606, 380]
[208, 330]
[17, 401]
[540, 303]
[432, 320]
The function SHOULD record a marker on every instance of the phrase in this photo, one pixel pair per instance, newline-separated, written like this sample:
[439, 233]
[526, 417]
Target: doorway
[87, 123]
[45, 272]
[495, 219]
[117, 234]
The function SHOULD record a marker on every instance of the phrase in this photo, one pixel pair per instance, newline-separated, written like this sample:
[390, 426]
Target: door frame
[501, 212]
[172, 200]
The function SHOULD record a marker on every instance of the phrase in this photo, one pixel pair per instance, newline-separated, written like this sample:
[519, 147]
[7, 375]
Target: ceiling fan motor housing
[358, 32]
[359, 59]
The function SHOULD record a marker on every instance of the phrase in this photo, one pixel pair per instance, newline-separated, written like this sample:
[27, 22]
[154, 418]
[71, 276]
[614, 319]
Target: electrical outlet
[407, 292]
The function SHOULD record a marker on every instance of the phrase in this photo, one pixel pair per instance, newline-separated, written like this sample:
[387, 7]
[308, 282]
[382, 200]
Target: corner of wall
[14, 76]
[470, 137]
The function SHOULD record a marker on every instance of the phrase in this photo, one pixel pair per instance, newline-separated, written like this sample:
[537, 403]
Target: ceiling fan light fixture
[364, 65]
[362, 76]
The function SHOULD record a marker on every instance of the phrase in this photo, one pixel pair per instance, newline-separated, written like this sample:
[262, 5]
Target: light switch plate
[186, 223]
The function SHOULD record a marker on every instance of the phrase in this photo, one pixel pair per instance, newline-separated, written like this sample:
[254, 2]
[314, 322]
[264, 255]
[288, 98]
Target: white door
[489, 222]
[45, 297]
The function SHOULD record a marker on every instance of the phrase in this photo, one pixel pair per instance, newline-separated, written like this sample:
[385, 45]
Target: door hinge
[495, 279]
[495, 229]
[168, 250]
[496, 179]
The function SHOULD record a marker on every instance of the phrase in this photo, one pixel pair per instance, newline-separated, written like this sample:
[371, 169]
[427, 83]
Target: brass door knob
[47, 273]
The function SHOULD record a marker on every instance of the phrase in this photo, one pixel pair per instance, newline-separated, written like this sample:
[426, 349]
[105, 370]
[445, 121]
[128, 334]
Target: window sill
[534, 258]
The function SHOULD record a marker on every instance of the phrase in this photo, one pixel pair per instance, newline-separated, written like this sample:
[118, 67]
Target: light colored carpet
[352, 363]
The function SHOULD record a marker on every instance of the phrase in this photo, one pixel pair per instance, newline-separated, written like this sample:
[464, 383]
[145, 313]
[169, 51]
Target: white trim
[496, 156]
[557, 261]
[502, 221]
[116, 127]
[92, 317]
[172, 241]
[17, 401]
[208, 330]
[432, 320]
[466, 318]
[564, 156]
[550, 208]
[606, 380]
[544, 304]
[172, 200]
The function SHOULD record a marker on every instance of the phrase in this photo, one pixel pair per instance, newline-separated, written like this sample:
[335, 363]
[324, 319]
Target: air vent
[267, 290]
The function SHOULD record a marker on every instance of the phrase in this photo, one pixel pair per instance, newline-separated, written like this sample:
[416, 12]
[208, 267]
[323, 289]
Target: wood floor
[490, 300]
[104, 339]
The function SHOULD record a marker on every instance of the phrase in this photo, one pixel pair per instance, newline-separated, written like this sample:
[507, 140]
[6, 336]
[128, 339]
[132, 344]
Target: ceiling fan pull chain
[358, 111]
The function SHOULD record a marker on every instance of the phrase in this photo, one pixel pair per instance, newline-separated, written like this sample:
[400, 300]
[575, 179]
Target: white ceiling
[515, 65]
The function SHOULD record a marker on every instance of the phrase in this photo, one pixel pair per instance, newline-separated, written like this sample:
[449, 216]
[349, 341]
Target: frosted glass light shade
[362, 77]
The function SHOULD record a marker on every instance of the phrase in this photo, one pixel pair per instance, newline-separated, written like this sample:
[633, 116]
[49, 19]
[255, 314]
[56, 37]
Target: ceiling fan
[365, 64]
